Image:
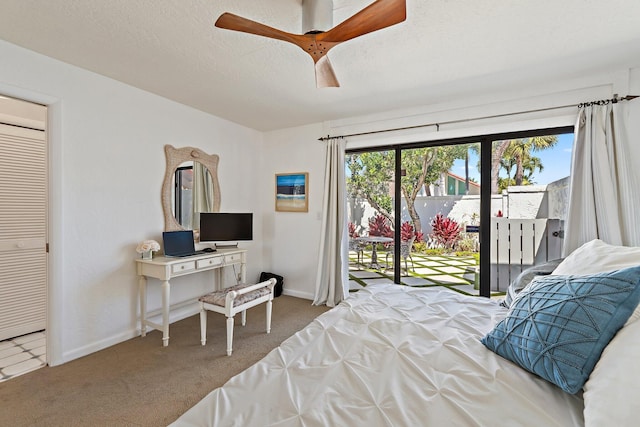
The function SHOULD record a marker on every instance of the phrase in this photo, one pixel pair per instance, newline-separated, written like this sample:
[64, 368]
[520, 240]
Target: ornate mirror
[201, 161]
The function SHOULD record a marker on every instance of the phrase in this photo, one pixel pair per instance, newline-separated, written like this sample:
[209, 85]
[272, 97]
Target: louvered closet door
[23, 210]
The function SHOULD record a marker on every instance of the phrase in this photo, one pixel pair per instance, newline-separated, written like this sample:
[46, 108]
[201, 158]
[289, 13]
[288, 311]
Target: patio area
[454, 272]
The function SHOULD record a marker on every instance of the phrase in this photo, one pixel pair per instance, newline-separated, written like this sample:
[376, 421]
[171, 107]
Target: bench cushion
[219, 297]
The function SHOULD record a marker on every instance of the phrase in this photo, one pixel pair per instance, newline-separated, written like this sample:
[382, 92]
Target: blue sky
[290, 180]
[556, 162]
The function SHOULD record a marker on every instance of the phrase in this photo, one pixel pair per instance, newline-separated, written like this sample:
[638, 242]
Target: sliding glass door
[419, 214]
[436, 190]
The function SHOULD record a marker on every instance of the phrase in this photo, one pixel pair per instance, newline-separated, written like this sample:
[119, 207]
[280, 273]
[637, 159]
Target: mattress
[390, 355]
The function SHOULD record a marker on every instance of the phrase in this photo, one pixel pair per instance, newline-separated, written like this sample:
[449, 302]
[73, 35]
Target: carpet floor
[139, 382]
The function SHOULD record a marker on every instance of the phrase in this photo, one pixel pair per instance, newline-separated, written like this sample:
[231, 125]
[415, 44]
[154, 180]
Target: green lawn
[454, 272]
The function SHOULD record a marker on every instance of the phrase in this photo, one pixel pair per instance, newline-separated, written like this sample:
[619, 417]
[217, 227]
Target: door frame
[53, 135]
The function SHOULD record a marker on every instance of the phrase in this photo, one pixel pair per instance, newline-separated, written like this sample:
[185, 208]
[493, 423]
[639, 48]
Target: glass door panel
[529, 192]
[371, 213]
[440, 188]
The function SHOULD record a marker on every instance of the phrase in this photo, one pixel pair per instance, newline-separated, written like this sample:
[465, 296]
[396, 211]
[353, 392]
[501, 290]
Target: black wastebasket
[277, 289]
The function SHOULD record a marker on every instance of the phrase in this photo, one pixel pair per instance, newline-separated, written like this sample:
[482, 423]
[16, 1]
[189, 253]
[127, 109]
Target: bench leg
[244, 317]
[229, 335]
[203, 325]
[269, 316]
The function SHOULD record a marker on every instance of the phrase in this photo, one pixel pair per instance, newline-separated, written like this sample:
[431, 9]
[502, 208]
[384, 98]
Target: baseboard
[297, 294]
[97, 346]
[179, 313]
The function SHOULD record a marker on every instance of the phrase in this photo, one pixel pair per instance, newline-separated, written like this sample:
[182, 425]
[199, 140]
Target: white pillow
[612, 391]
[597, 256]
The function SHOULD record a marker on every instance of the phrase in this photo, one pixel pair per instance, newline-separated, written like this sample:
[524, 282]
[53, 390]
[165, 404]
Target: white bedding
[390, 356]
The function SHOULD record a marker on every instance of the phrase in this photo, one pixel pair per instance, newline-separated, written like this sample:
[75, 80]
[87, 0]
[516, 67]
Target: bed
[393, 355]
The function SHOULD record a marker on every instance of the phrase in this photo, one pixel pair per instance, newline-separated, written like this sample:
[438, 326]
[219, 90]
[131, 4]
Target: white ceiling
[446, 50]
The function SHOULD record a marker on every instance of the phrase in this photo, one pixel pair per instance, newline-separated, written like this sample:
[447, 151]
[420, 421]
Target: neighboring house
[457, 186]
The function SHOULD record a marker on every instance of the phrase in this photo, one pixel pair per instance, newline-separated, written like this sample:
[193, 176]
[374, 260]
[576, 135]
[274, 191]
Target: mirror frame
[174, 158]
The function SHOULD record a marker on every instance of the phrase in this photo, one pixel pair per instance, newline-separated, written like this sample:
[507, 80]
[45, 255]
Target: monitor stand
[226, 245]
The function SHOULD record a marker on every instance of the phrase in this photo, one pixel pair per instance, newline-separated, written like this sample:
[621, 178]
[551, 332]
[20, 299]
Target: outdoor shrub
[406, 231]
[380, 226]
[467, 244]
[434, 251]
[420, 247]
[352, 231]
[446, 232]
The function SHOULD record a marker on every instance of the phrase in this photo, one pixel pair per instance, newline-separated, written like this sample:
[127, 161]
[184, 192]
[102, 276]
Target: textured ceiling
[447, 49]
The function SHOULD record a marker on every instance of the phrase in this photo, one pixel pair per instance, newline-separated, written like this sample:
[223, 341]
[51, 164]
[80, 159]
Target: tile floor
[21, 355]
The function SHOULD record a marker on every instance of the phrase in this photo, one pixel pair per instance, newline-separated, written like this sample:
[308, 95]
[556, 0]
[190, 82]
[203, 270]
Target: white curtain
[202, 192]
[605, 190]
[331, 281]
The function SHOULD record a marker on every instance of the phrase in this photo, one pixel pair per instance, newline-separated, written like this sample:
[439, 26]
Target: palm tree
[518, 151]
[497, 152]
[529, 167]
[507, 163]
[521, 149]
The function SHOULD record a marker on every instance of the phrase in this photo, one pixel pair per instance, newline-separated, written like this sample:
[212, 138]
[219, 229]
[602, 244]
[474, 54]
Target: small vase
[147, 255]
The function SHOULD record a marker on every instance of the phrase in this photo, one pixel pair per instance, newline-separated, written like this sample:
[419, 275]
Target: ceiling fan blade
[229, 21]
[376, 16]
[325, 76]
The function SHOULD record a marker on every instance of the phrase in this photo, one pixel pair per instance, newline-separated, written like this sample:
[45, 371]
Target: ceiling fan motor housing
[317, 16]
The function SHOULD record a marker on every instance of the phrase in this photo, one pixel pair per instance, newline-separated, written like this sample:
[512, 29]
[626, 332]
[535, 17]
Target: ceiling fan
[378, 15]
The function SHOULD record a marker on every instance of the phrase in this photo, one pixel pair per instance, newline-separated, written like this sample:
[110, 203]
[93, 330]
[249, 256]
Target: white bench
[232, 300]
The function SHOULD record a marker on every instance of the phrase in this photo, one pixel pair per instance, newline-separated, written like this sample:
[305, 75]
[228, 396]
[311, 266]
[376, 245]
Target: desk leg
[165, 312]
[142, 290]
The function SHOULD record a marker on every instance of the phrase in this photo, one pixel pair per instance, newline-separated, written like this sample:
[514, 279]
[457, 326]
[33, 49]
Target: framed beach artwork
[292, 193]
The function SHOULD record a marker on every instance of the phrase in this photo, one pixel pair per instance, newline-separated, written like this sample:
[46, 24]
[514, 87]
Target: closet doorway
[23, 236]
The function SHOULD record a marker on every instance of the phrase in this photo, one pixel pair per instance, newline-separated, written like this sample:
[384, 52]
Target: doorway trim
[55, 300]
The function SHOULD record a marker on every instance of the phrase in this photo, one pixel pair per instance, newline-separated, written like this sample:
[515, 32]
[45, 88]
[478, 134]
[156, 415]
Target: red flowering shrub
[406, 231]
[380, 226]
[446, 232]
[352, 231]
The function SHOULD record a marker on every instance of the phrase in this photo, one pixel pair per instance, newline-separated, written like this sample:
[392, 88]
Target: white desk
[166, 268]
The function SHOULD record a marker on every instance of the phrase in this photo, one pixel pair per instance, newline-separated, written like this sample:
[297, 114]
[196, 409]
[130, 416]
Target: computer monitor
[225, 227]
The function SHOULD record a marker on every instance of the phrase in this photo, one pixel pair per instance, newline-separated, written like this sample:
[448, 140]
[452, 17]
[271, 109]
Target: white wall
[107, 166]
[293, 251]
[291, 239]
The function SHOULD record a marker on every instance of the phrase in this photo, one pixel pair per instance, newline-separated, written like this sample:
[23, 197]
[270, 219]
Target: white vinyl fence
[520, 243]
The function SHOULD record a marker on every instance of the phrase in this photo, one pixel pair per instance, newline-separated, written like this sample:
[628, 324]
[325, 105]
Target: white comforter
[390, 356]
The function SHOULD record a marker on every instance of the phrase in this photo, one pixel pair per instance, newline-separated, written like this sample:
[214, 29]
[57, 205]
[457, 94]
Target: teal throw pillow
[558, 327]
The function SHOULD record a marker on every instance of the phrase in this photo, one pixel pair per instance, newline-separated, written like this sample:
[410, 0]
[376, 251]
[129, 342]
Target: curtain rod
[613, 100]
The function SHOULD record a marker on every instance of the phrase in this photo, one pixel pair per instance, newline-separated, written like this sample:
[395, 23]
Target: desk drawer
[209, 262]
[183, 267]
[232, 259]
